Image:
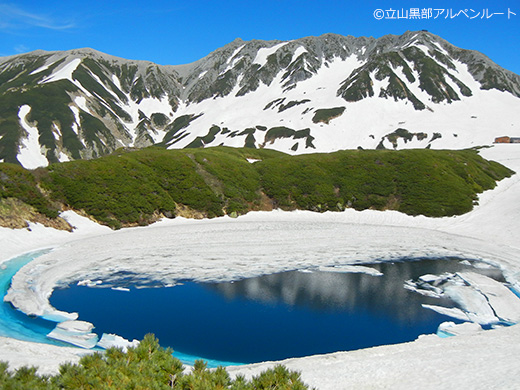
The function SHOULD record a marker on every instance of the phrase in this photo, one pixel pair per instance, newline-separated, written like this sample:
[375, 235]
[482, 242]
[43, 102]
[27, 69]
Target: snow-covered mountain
[307, 95]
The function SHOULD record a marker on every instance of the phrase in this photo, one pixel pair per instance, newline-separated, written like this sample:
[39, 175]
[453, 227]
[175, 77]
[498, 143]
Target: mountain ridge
[82, 103]
[238, 41]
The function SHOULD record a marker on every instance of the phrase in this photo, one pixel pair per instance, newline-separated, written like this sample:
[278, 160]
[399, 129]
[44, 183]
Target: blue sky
[171, 32]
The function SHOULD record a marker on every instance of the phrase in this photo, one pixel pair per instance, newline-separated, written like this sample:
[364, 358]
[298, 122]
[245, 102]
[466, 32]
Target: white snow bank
[15, 242]
[89, 283]
[76, 326]
[46, 357]
[453, 312]
[124, 288]
[231, 250]
[484, 360]
[472, 302]
[40, 69]
[452, 329]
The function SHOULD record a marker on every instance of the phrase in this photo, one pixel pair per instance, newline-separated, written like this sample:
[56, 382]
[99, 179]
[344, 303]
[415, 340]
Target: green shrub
[433, 183]
[17, 182]
[131, 188]
[147, 366]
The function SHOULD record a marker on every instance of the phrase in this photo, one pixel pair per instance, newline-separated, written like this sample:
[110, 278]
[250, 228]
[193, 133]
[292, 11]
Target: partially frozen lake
[271, 317]
[14, 323]
[224, 251]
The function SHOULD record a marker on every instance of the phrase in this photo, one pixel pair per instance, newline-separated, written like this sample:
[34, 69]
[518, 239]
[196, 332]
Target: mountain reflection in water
[336, 291]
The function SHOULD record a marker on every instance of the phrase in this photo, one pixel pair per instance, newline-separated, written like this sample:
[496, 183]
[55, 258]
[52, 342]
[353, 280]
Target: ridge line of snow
[64, 73]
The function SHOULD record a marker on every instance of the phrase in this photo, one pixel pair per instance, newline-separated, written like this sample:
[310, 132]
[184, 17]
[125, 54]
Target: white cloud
[21, 49]
[12, 16]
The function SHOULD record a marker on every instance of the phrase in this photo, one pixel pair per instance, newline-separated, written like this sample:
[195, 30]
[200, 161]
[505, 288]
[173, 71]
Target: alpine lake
[270, 317]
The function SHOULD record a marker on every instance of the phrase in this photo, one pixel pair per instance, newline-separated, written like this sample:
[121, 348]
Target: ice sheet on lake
[453, 312]
[89, 283]
[124, 288]
[472, 302]
[357, 269]
[505, 303]
[77, 333]
[482, 299]
[109, 340]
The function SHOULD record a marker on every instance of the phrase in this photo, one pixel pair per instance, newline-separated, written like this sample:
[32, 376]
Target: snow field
[474, 120]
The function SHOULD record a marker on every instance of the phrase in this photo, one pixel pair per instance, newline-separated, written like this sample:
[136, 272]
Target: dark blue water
[271, 317]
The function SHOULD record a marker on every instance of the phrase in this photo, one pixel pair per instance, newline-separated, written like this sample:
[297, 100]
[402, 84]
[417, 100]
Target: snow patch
[77, 123]
[63, 157]
[116, 82]
[100, 82]
[81, 102]
[57, 132]
[263, 53]
[472, 302]
[30, 154]
[232, 61]
[235, 52]
[449, 328]
[120, 289]
[299, 51]
[64, 73]
[453, 312]
[441, 49]
[89, 283]
[505, 304]
[147, 106]
[40, 69]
